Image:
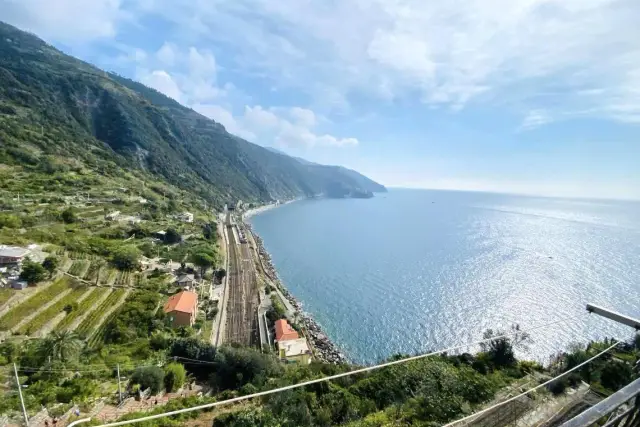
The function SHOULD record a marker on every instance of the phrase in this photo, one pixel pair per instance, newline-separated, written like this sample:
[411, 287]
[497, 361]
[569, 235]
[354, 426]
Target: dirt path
[81, 318]
[48, 327]
[41, 309]
[108, 312]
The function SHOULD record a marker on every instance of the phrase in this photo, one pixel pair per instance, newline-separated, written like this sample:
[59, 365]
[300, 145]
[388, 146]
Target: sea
[410, 271]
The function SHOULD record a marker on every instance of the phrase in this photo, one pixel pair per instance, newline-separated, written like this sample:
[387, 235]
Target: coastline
[323, 348]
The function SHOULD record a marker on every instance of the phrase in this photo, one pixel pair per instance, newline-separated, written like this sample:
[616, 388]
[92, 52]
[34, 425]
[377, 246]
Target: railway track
[241, 322]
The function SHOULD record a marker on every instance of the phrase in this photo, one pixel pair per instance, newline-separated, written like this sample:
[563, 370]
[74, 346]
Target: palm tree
[60, 346]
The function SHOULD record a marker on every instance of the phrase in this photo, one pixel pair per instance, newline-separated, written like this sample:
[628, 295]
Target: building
[112, 216]
[284, 331]
[12, 254]
[295, 351]
[182, 308]
[19, 284]
[185, 280]
[291, 347]
[186, 217]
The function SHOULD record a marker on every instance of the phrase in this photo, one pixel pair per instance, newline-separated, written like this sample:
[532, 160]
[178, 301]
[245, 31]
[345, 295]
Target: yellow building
[295, 351]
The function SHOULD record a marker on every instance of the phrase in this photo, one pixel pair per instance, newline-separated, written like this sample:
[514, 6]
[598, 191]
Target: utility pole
[24, 410]
[119, 386]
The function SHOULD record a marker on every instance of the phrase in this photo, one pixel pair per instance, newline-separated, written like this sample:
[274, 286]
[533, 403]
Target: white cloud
[303, 116]
[70, 21]
[202, 63]
[223, 116]
[535, 118]
[161, 81]
[267, 126]
[167, 54]
[443, 53]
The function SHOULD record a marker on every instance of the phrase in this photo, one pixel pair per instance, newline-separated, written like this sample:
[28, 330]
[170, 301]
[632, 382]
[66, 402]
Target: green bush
[174, 376]
[148, 377]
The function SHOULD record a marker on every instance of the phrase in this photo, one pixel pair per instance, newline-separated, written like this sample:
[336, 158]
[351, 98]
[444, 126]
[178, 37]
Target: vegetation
[126, 258]
[45, 316]
[90, 323]
[32, 272]
[148, 377]
[81, 308]
[50, 264]
[16, 314]
[174, 376]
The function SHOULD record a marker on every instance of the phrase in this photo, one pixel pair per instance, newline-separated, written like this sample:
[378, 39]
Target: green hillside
[54, 104]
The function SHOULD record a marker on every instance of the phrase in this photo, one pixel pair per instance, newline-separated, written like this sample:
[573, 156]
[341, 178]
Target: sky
[520, 96]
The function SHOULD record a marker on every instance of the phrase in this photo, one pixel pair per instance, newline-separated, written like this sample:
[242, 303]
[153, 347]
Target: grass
[45, 316]
[82, 308]
[5, 294]
[91, 322]
[19, 312]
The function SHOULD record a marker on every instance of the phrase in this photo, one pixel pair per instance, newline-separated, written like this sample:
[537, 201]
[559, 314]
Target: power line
[329, 378]
[484, 411]
[32, 370]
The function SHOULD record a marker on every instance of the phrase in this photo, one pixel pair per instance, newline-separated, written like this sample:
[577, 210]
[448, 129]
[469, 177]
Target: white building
[186, 217]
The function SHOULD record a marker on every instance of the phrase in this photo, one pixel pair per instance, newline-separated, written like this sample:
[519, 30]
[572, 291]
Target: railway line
[241, 321]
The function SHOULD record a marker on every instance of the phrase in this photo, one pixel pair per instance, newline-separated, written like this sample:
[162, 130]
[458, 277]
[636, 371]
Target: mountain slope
[83, 112]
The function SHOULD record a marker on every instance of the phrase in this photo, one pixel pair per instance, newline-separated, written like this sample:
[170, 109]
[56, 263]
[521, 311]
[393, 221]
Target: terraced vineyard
[27, 307]
[35, 324]
[92, 273]
[83, 307]
[79, 267]
[108, 276]
[124, 278]
[92, 321]
[5, 294]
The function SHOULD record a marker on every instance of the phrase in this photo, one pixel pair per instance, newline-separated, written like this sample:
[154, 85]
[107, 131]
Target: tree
[149, 377]
[500, 349]
[172, 236]
[9, 221]
[50, 264]
[174, 376]
[32, 272]
[126, 258]
[60, 346]
[68, 216]
[220, 274]
[203, 259]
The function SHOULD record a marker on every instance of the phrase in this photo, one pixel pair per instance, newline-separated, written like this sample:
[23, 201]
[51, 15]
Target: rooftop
[12, 251]
[184, 302]
[186, 278]
[294, 347]
[284, 331]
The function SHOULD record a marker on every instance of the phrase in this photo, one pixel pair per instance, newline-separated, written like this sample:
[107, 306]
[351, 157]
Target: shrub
[148, 377]
[174, 376]
[32, 272]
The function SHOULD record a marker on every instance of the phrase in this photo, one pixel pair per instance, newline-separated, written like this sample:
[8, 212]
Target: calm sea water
[415, 270]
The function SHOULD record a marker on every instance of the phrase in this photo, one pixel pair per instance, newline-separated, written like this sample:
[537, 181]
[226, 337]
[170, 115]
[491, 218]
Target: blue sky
[529, 96]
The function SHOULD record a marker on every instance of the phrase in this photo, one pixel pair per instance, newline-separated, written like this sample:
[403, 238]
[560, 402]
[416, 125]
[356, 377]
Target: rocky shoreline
[325, 349]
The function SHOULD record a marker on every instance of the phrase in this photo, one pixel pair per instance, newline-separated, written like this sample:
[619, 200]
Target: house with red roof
[182, 308]
[291, 347]
[284, 331]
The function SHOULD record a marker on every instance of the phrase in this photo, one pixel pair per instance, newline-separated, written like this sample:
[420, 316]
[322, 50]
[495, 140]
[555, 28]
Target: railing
[621, 409]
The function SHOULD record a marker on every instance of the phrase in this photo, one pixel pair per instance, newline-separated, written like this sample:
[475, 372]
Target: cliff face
[92, 111]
